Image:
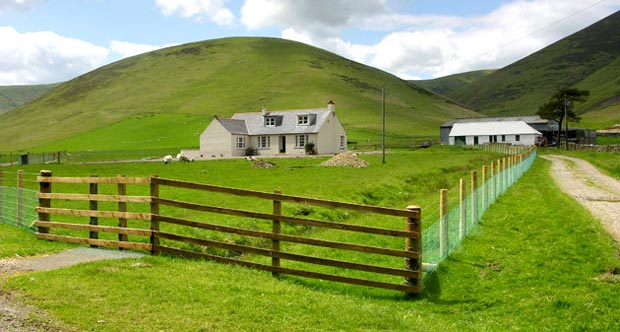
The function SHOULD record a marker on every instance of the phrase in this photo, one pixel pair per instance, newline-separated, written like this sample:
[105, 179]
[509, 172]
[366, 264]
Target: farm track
[597, 192]
[16, 317]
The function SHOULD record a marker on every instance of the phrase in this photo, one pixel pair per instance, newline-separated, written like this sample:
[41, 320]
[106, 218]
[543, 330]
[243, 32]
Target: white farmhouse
[273, 133]
[506, 132]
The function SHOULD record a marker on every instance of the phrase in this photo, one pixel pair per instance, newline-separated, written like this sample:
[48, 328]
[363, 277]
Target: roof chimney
[263, 109]
[331, 105]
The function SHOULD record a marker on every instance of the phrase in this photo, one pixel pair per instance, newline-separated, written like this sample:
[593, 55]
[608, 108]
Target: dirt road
[597, 192]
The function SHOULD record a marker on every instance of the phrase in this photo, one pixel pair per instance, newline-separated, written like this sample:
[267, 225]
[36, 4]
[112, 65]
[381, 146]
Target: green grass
[528, 266]
[149, 96]
[607, 162]
[15, 241]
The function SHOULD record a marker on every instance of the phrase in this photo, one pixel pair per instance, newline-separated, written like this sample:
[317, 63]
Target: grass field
[528, 266]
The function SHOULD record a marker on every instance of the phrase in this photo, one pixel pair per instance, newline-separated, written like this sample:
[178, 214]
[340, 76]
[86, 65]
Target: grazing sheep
[168, 159]
[183, 158]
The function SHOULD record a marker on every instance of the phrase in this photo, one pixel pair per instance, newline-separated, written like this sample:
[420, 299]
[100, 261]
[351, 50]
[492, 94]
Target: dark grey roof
[525, 118]
[233, 126]
[286, 123]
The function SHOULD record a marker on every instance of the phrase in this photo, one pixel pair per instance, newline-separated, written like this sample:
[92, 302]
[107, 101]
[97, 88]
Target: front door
[282, 144]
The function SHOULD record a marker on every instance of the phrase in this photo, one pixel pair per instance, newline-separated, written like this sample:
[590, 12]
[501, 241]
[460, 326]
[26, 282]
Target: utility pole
[383, 122]
[565, 122]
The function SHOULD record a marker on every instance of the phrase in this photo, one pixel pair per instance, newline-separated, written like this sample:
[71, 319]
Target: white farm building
[505, 132]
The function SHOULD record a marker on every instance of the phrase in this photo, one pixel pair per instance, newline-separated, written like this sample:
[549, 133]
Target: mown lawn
[537, 261]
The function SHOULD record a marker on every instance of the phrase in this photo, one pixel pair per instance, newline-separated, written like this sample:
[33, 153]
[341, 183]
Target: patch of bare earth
[345, 159]
[597, 192]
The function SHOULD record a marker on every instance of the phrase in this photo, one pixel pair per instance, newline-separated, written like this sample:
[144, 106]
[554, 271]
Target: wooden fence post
[443, 223]
[122, 207]
[20, 197]
[44, 188]
[276, 229]
[1, 195]
[414, 244]
[154, 215]
[484, 188]
[474, 199]
[462, 209]
[93, 206]
[492, 178]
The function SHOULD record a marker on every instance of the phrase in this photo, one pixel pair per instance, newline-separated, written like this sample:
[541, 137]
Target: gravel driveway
[16, 317]
[597, 192]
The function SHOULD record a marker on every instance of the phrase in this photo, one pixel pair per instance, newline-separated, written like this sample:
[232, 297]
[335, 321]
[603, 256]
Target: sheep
[168, 159]
[183, 158]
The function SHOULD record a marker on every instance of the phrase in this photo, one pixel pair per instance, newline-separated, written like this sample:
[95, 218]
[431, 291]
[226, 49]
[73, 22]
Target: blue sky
[46, 41]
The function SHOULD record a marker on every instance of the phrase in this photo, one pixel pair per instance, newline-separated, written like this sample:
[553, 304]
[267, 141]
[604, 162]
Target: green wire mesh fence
[17, 204]
[448, 227]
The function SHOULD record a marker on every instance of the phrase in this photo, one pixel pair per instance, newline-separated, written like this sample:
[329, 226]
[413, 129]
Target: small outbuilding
[505, 132]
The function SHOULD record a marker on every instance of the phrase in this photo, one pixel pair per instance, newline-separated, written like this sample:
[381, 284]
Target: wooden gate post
[122, 207]
[443, 223]
[154, 215]
[93, 206]
[44, 188]
[20, 197]
[276, 229]
[414, 244]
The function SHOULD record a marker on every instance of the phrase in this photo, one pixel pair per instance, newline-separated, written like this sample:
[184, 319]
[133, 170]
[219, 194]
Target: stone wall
[597, 148]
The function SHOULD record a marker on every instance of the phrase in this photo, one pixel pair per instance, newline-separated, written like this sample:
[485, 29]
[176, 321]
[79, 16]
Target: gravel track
[17, 317]
[597, 192]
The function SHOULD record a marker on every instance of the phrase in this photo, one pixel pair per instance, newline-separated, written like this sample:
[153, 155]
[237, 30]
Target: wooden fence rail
[162, 224]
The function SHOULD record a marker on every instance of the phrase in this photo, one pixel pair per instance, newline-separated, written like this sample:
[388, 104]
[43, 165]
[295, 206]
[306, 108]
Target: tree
[562, 103]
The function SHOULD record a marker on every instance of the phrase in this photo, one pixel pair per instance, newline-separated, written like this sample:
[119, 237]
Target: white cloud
[19, 5]
[198, 10]
[45, 57]
[427, 45]
[127, 49]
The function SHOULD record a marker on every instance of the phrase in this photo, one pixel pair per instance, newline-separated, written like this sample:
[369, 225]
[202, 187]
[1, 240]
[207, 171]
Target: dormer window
[303, 120]
[270, 121]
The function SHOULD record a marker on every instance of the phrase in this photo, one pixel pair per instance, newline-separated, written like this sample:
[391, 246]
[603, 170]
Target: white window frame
[270, 121]
[343, 142]
[264, 142]
[241, 143]
[517, 138]
[301, 140]
[303, 120]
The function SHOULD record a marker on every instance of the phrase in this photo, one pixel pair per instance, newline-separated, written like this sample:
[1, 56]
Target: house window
[264, 142]
[240, 142]
[518, 138]
[270, 121]
[303, 120]
[503, 138]
[343, 142]
[300, 141]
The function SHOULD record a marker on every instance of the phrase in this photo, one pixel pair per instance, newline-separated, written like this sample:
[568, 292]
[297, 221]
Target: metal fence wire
[438, 243]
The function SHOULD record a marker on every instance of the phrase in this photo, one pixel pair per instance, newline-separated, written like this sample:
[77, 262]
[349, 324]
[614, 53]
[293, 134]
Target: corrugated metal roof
[492, 128]
[524, 118]
[255, 122]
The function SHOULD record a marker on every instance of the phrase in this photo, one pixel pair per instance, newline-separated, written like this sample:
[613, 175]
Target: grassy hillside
[224, 76]
[13, 96]
[587, 59]
[447, 84]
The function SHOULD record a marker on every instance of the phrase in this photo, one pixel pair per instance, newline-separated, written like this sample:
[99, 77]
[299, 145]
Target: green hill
[165, 98]
[588, 59]
[15, 95]
[445, 85]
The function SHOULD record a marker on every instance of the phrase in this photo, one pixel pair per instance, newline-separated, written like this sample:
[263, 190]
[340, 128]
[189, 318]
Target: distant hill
[13, 96]
[447, 84]
[165, 98]
[588, 59]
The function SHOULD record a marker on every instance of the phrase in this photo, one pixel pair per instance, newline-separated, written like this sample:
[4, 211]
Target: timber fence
[460, 210]
[379, 248]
